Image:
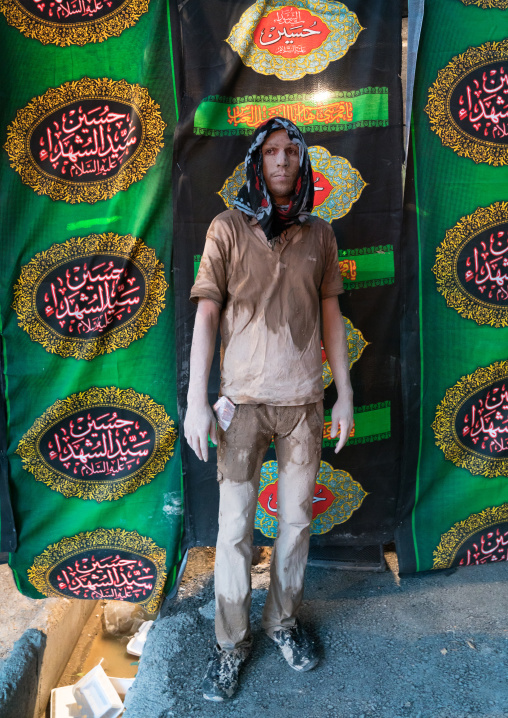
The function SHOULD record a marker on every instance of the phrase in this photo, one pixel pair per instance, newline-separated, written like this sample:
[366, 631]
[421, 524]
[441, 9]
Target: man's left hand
[342, 416]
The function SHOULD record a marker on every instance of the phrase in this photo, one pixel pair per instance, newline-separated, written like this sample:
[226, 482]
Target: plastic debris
[137, 642]
[96, 695]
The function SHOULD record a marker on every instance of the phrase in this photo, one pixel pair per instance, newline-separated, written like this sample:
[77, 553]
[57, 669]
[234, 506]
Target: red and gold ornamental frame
[337, 185]
[291, 40]
[488, 4]
[336, 497]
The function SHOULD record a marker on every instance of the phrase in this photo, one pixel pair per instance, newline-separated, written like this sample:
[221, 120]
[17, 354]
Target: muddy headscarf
[254, 198]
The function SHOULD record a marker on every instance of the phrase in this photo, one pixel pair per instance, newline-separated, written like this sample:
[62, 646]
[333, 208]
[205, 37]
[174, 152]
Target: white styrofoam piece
[63, 702]
[96, 696]
[121, 685]
[137, 642]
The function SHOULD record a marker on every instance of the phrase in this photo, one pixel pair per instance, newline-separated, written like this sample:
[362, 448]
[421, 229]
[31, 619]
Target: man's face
[281, 163]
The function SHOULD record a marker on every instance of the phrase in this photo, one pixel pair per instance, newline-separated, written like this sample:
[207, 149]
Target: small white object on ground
[137, 642]
[96, 696]
[63, 702]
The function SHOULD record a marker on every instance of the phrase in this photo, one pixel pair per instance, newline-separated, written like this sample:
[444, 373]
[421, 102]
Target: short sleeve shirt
[270, 306]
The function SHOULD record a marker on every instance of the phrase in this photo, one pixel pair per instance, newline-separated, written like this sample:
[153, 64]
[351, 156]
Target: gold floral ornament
[336, 497]
[472, 266]
[72, 22]
[90, 295]
[99, 444]
[293, 40]
[471, 424]
[488, 4]
[355, 346]
[103, 564]
[86, 140]
[467, 104]
[337, 185]
[481, 538]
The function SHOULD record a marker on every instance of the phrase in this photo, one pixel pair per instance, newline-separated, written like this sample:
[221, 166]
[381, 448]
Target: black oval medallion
[90, 296]
[488, 545]
[100, 443]
[481, 423]
[105, 573]
[482, 266]
[479, 103]
[70, 12]
[87, 140]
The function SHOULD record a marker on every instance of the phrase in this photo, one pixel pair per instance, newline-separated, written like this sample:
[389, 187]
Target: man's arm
[199, 419]
[334, 340]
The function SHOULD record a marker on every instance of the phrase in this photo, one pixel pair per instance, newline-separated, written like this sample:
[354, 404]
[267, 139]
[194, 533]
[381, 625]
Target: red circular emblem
[290, 31]
[322, 188]
[323, 499]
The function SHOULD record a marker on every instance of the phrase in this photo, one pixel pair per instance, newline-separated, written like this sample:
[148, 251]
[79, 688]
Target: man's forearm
[199, 419]
[335, 343]
[334, 339]
[203, 344]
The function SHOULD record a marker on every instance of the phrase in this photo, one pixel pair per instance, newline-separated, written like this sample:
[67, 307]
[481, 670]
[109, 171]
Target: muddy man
[270, 276]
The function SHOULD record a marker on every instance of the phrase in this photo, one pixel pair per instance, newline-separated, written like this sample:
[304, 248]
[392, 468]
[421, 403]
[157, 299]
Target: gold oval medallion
[87, 140]
[105, 564]
[472, 266]
[99, 444]
[72, 22]
[336, 497]
[481, 538]
[90, 295]
[467, 104]
[471, 424]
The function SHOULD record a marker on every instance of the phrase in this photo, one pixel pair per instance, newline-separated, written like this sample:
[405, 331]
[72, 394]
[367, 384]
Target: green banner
[87, 302]
[455, 512]
[331, 112]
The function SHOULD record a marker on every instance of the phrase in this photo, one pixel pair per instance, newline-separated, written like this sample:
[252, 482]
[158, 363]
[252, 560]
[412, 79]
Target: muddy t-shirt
[270, 302]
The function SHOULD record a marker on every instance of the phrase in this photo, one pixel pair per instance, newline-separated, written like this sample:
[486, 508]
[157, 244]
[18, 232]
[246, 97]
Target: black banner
[334, 71]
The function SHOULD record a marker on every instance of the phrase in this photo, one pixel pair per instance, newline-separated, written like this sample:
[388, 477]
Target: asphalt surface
[427, 646]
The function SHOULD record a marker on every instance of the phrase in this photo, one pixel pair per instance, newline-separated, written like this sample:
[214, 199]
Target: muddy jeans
[297, 432]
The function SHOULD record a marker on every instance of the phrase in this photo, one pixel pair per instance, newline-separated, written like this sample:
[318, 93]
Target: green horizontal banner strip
[367, 267]
[341, 111]
[372, 423]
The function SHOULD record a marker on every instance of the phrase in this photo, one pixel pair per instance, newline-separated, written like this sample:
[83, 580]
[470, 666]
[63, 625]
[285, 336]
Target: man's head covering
[254, 198]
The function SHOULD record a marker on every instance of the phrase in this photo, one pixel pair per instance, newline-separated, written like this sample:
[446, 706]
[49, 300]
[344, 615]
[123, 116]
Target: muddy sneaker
[221, 678]
[297, 647]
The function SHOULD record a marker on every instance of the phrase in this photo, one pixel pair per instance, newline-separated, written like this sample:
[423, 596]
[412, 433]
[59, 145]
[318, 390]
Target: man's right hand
[198, 425]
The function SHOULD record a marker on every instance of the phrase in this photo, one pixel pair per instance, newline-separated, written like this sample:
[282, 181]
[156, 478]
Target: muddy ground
[425, 646]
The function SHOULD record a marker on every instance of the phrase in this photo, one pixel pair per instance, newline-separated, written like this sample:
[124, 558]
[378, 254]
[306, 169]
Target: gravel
[427, 646]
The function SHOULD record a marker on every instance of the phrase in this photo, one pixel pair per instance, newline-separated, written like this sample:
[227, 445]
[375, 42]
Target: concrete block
[37, 637]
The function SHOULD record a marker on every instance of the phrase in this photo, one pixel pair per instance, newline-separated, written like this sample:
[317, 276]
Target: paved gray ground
[433, 646]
